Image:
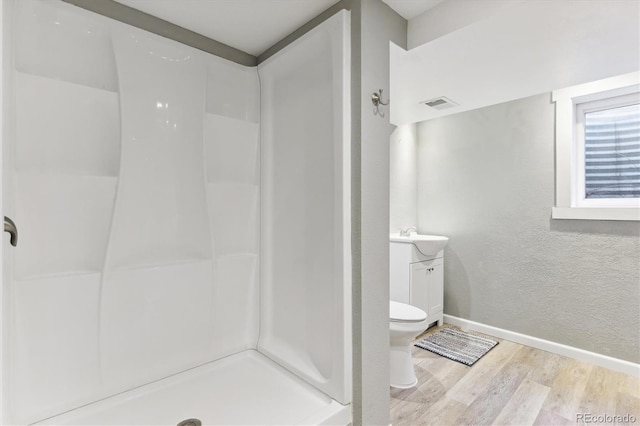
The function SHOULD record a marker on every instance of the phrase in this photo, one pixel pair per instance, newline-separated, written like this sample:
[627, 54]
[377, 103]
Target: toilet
[405, 323]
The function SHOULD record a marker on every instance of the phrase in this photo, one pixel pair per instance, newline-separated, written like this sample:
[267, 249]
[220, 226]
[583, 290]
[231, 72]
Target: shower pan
[184, 223]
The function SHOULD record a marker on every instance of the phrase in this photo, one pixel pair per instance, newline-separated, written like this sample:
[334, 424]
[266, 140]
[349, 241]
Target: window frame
[570, 103]
[579, 187]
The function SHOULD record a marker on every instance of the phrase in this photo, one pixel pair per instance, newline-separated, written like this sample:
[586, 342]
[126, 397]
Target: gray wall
[379, 24]
[402, 178]
[486, 180]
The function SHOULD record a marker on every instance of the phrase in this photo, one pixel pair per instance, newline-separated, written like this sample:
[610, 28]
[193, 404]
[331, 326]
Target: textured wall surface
[486, 180]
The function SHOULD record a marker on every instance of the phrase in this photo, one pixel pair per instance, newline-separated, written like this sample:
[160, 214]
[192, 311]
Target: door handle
[10, 227]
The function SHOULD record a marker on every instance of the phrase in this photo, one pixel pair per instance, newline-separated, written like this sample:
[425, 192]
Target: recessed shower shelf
[61, 81]
[52, 173]
[57, 275]
[169, 263]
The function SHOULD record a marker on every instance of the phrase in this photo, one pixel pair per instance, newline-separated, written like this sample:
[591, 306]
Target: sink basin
[427, 244]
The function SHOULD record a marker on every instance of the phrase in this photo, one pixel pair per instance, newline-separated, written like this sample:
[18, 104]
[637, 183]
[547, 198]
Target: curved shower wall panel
[134, 183]
[67, 139]
[159, 260]
[162, 185]
[71, 154]
[305, 208]
[65, 159]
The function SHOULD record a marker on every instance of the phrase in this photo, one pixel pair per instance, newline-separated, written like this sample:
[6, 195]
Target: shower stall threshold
[242, 389]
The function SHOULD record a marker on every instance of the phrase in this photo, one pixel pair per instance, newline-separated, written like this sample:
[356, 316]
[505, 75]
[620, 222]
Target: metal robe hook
[376, 100]
[12, 229]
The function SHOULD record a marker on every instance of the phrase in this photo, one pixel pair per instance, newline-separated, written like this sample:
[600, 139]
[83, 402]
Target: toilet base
[402, 374]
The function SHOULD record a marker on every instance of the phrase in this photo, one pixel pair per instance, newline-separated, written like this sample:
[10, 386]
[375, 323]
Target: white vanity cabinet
[417, 278]
[427, 288]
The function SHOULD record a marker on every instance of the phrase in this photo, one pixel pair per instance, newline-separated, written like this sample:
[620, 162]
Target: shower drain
[190, 422]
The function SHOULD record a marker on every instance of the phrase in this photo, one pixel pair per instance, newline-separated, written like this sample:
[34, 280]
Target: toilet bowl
[405, 323]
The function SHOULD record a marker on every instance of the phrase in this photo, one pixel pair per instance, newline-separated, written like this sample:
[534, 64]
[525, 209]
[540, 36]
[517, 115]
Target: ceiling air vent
[440, 103]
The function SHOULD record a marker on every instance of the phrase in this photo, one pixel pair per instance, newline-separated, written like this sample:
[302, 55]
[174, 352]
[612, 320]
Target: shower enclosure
[184, 226]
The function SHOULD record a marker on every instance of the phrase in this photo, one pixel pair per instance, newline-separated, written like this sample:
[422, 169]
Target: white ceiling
[409, 9]
[248, 25]
[252, 25]
[529, 48]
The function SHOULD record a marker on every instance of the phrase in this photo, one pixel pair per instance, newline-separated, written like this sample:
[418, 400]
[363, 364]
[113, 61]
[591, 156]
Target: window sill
[595, 213]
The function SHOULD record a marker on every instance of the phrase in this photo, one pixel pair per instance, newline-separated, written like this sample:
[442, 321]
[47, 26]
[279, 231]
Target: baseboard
[547, 345]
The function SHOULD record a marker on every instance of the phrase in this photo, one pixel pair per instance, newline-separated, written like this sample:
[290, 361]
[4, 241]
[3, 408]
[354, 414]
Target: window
[598, 150]
[608, 152]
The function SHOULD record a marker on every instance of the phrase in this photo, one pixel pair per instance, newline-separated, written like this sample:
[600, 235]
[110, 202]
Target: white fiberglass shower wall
[174, 212]
[306, 239]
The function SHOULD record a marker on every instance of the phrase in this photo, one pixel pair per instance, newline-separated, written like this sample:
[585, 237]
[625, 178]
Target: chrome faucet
[407, 232]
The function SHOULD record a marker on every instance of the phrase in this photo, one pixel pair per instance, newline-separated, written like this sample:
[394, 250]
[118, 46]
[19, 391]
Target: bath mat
[457, 345]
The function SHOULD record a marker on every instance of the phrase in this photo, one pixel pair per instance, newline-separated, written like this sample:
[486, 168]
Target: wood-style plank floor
[512, 385]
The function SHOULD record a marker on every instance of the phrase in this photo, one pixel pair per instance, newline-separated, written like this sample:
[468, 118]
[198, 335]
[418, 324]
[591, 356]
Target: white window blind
[612, 153]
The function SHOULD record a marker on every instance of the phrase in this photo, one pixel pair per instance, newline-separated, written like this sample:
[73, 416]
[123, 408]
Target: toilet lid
[402, 312]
